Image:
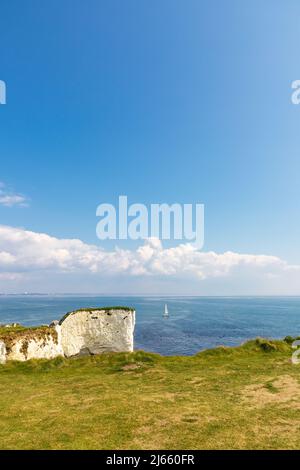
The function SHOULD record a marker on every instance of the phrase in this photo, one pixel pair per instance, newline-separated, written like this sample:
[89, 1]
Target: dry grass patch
[283, 390]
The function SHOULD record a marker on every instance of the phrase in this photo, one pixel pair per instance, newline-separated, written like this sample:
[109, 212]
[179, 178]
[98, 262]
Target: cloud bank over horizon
[29, 259]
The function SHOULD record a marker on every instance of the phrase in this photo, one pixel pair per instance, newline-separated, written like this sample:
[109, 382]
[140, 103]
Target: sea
[194, 323]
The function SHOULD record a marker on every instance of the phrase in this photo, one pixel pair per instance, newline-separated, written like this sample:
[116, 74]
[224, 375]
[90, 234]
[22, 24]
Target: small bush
[288, 339]
[265, 345]
[291, 339]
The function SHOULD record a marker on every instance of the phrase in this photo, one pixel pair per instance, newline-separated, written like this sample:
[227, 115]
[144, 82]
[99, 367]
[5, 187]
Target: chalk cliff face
[2, 352]
[82, 332]
[98, 330]
[42, 343]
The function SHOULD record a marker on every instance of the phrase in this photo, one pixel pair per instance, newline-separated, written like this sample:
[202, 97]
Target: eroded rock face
[2, 352]
[35, 344]
[97, 331]
[82, 332]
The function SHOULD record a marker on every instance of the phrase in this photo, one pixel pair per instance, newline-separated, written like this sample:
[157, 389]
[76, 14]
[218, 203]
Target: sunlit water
[195, 323]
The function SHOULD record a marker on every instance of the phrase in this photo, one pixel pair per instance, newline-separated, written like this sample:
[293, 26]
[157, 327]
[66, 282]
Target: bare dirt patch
[129, 367]
[283, 391]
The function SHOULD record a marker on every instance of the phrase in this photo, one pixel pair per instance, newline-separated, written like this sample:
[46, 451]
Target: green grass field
[227, 398]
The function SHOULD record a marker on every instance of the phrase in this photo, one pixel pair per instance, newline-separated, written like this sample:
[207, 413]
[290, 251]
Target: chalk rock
[96, 331]
[44, 343]
[2, 352]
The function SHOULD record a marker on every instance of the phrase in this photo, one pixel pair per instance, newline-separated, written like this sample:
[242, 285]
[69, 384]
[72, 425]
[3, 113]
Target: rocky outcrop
[2, 352]
[82, 332]
[39, 343]
[93, 331]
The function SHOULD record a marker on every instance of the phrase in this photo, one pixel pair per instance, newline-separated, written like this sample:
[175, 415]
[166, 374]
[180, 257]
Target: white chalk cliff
[2, 352]
[96, 331]
[35, 344]
[82, 332]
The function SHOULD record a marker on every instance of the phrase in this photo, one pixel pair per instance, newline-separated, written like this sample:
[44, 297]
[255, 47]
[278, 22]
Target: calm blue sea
[195, 323]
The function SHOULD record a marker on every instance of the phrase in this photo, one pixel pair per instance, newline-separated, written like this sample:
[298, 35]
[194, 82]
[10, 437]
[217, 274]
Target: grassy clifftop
[106, 310]
[238, 398]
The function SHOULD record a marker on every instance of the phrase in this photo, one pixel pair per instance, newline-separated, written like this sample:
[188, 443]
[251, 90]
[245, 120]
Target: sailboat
[166, 312]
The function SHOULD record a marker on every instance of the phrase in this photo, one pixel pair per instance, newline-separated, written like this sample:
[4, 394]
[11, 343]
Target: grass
[5, 330]
[236, 398]
[19, 330]
[271, 387]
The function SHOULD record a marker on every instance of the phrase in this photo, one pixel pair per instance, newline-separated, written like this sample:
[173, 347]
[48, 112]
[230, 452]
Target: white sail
[166, 313]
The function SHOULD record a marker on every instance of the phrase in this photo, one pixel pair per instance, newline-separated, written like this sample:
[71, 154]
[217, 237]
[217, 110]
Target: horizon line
[95, 294]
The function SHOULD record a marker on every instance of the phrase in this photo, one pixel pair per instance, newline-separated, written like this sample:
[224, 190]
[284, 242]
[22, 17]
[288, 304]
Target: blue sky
[164, 101]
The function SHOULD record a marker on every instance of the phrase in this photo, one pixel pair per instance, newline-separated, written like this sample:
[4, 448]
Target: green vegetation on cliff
[96, 309]
[237, 398]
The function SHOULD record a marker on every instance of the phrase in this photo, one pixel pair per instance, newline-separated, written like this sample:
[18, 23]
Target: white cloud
[8, 198]
[24, 252]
